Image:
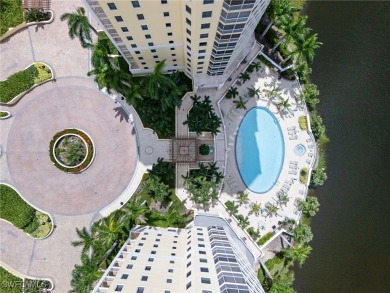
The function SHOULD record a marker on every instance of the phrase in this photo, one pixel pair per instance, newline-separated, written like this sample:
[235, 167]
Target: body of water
[351, 246]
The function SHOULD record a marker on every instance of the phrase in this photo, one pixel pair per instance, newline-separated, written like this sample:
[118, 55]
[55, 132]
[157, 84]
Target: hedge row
[87, 160]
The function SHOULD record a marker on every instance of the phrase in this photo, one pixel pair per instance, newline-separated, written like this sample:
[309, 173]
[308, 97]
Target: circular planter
[89, 154]
[4, 115]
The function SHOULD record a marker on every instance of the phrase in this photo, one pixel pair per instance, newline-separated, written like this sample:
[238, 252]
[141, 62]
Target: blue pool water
[259, 150]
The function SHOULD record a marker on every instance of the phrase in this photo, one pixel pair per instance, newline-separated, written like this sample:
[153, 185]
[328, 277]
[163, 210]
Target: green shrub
[265, 238]
[317, 126]
[318, 177]
[302, 122]
[270, 264]
[14, 209]
[17, 83]
[44, 73]
[11, 14]
[303, 174]
[3, 114]
[204, 149]
[34, 15]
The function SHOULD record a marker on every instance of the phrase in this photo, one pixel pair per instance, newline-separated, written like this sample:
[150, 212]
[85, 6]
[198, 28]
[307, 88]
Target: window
[151, 44]
[174, 64]
[146, 67]
[168, 25]
[133, 258]
[203, 44]
[188, 285]
[140, 290]
[206, 14]
[153, 251]
[188, 264]
[148, 36]
[148, 268]
[170, 270]
[199, 71]
[145, 278]
[206, 291]
[164, 1]
[189, 242]
[204, 270]
[171, 261]
[169, 34]
[188, 40]
[124, 29]
[144, 27]
[143, 63]
[189, 49]
[139, 244]
[155, 245]
[166, 14]
[135, 4]
[189, 55]
[205, 25]
[171, 42]
[201, 252]
[203, 36]
[129, 38]
[173, 254]
[140, 16]
[150, 259]
[188, 274]
[208, 1]
[205, 280]
[202, 51]
[118, 288]
[159, 234]
[138, 250]
[154, 51]
[201, 245]
[174, 60]
[129, 267]
[141, 58]
[125, 276]
[146, 233]
[173, 247]
[167, 291]
[175, 241]
[173, 55]
[112, 6]
[137, 52]
[143, 238]
[199, 234]
[188, 21]
[188, 31]
[172, 49]
[204, 260]
[169, 281]
[188, 9]
[188, 256]
[119, 18]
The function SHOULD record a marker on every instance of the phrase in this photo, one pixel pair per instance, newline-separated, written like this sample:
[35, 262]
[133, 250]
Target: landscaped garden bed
[4, 114]
[24, 80]
[18, 212]
[302, 122]
[11, 14]
[72, 151]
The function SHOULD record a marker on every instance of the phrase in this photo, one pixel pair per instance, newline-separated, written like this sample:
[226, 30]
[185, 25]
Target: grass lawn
[21, 81]
[15, 210]
[11, 14]
[10, 283]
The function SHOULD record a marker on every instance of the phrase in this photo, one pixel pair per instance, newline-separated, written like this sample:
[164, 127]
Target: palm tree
[163, 170]
[293, 29]
[303, 234]
[274, 92]
[283, 283]
[252, 91]
[310, 206]
[85, 275]
[271, 210]
[283, 198]
[255, 209]
[156, 189]
[243, 221]
[240, 104]
[87, 240]
[304, 49]
[109, 229]
[256, 66]
[243, 198]
[202, 191]
[284, 106]
[244, 77]
[231, 207]
[79, 26]
[231, 93]
[134, 210]
[299, 254]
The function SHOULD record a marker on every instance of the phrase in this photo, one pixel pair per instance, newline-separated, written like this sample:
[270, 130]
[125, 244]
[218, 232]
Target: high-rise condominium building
[166, 260]
[207, 39]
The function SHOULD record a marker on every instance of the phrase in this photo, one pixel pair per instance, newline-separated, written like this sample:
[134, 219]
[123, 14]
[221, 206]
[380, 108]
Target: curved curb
[16, 99]
[7, 116]
[25, 24]
[38, 209]
[23, 276]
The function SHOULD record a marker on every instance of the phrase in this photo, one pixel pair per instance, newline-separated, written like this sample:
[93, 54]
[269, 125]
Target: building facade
[167, 260]
[207, 39]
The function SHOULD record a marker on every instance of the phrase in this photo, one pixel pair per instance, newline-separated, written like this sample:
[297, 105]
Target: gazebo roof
[37, 4]
[184, 149]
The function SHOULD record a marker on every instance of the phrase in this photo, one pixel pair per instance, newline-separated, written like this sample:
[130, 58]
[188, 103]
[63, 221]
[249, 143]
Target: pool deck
[233, 182]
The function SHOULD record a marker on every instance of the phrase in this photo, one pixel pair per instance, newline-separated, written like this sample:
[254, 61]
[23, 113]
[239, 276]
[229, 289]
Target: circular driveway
[44, 114]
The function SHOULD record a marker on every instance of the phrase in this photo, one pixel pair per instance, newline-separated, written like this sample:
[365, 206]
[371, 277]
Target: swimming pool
[259, 150]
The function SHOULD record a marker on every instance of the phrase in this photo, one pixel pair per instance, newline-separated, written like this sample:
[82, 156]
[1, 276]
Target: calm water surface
[351, 232]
